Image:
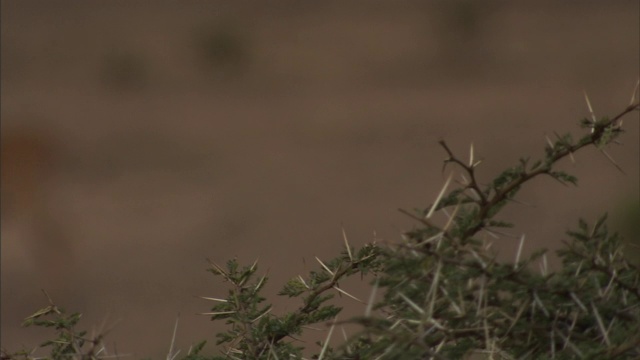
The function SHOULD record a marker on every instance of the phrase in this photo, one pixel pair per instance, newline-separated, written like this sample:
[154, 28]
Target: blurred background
[139, 139]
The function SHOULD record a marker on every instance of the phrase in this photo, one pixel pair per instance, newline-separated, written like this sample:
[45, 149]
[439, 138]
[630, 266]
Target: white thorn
[440, 195]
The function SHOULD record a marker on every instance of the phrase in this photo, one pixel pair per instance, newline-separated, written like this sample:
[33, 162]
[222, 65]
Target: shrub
[439, 293]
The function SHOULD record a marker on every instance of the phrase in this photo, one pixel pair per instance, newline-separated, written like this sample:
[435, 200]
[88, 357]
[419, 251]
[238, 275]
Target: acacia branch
[502, 194]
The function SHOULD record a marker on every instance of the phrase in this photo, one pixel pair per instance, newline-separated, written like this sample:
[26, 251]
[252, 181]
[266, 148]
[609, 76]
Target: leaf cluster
[255, 332]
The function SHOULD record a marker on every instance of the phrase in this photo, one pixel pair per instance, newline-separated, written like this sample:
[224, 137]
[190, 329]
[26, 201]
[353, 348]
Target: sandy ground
[192, 130]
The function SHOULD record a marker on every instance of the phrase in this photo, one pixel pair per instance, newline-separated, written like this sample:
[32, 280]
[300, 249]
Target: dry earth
[186, 130]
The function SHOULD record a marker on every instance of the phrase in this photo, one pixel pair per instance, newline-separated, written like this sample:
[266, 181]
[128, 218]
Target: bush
[439, 293]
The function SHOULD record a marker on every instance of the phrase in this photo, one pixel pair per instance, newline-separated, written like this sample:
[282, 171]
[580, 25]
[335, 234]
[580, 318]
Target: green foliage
[256, 333]
[444, 300]
[68, 342]
[440, 293]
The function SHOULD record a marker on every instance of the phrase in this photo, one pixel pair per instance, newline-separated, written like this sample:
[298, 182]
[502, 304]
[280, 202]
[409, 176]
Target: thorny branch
[487, 203]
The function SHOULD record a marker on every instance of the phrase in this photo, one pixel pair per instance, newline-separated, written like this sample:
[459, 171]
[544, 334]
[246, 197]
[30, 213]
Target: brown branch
[503, 193]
